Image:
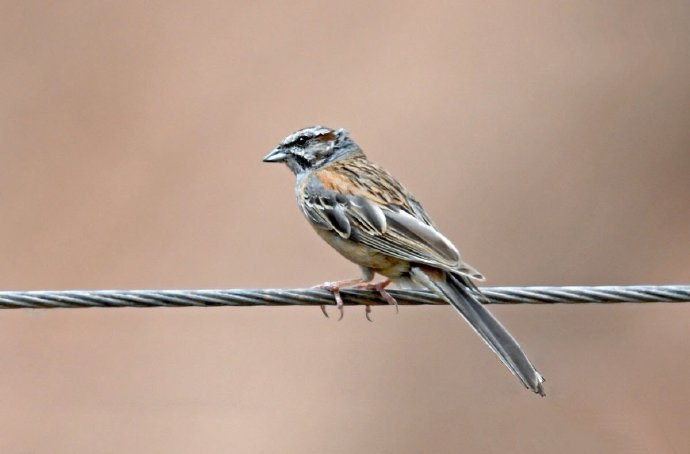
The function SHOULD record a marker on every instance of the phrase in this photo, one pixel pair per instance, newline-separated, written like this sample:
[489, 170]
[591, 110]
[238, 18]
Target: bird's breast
[364, 256]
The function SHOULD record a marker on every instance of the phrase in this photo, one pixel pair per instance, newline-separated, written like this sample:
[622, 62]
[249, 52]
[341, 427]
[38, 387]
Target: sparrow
[372, 220]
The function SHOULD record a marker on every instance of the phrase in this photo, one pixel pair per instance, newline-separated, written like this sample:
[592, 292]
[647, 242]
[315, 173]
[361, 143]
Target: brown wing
[357, 176]
[364, 203]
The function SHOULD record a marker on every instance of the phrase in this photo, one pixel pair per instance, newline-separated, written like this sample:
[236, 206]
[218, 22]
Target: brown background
[550, 141]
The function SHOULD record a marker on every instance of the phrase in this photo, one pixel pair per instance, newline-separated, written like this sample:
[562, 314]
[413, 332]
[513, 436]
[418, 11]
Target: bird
[366, 215]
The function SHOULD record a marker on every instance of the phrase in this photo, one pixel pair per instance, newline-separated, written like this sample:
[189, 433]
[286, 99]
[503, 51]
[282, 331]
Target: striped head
[312, 148]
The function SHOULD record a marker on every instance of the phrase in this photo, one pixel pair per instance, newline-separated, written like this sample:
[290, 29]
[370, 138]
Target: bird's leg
[381, 288]
[334, 287]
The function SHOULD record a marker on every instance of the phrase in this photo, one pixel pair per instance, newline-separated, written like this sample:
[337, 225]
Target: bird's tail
[461, 293]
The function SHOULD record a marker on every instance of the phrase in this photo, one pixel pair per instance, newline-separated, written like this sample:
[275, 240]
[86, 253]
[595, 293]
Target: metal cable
[314, 297]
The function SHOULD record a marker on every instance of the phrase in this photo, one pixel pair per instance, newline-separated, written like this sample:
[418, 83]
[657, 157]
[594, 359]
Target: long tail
[466, 299]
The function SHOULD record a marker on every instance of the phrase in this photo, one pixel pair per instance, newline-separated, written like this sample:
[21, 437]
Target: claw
[389, 299]
[334, 288]
[381, 288]
[339, 302]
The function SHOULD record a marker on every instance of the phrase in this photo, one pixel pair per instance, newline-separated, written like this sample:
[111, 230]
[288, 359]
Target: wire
[316, 297]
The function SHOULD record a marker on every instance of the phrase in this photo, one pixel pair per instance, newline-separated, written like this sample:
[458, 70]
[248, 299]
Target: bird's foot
[334, 288]
[381, 288]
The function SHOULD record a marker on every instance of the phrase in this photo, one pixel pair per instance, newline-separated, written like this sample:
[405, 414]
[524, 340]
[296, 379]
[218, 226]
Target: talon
[390, 300]
[367, 311]
[334, 288]
[380, 287]
[339, 303]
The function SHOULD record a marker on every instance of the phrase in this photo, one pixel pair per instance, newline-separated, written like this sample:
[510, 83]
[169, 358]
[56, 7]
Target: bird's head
[312, 148]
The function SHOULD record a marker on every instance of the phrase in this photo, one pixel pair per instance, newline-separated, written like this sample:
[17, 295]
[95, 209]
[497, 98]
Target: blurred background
[549, 140]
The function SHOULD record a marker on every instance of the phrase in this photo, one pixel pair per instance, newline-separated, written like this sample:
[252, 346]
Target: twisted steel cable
[316, 297]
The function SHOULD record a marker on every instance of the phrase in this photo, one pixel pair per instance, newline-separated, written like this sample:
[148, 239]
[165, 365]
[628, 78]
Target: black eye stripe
[302, 161]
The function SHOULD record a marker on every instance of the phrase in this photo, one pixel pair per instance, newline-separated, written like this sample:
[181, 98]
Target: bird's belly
[364, 256]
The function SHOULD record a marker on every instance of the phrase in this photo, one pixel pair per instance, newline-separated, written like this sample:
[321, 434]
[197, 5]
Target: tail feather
[466, 299]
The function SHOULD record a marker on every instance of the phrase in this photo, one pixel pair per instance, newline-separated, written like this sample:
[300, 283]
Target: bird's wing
[389, 221]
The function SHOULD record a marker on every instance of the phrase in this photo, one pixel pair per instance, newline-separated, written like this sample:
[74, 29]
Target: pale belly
[385, 265]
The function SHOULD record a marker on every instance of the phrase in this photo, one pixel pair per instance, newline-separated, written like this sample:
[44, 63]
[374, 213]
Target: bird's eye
[302, 140]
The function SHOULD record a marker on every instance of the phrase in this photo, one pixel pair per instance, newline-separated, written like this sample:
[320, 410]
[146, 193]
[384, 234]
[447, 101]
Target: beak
[276, 155]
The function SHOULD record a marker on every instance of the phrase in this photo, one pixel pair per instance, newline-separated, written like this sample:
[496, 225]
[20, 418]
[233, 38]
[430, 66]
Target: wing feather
[389, 229]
